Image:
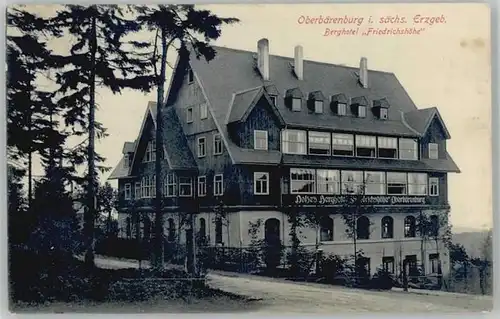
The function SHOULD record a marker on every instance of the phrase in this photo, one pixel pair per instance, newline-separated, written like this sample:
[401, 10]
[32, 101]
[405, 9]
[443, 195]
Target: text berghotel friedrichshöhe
[345, 25]
[365, 200]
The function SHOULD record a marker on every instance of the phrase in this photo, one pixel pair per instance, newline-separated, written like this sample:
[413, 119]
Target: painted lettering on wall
[363, 200]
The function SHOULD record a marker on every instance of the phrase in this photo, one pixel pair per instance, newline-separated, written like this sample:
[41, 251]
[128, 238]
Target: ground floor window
[272, 231]
[433, 263]
[218, 230]
[202, 233]
[363, 228]
[128, 227]
[388, 264]
[387, 227]
[363, 266]
[411, 265]
[171, 230]
[410, 226]
[326, 229]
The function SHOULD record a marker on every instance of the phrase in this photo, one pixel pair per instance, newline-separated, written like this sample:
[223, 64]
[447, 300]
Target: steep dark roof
[119, 171]
[128, 147]
[420, 120]
[175, 142]
[244, 102]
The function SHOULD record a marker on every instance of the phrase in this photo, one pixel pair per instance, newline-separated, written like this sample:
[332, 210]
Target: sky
[445, 63]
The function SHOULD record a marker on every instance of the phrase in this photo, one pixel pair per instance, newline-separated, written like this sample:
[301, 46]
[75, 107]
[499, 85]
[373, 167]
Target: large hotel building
[256, 133]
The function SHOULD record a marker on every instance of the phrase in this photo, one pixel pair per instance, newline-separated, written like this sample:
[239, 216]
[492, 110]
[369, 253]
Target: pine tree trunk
[159, 251]
[90, 212]
[30, 164]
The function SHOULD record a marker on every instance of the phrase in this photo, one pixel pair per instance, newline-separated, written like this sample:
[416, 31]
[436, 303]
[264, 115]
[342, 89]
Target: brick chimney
[298, 65]
[363, 72]
[263, 58]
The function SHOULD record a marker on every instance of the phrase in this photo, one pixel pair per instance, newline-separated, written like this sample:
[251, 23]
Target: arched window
[363, 228]
[128, 227]
[272, 231]
[434, 226]
[387, 227]
[410, 226]
[171, 230]
[326, 229]
[146, 228]
[203, 228]
[218, 230]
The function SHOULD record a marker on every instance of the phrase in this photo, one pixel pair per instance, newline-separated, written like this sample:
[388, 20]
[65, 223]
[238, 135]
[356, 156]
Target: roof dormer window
[383, 114]
[341, 109]
[381, 108]
[315, 102]
[296, 104]
[318, 107]
[361, 111]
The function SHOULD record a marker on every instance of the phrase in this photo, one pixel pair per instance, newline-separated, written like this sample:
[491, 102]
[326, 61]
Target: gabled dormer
[273, 93]
[359, 105]
[381, 108]
[338, 104]
[316, 102]
[294, 99]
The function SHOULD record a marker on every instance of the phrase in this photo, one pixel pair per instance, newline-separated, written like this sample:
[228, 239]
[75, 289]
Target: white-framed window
[433, 151]
[318, 107]
[293, 142]
[383, 114]
[361, 111]
[343, 144]
[326, 229]
[150, 154]
[190, 75]
[327, 181]
[319, 143]
[148, 186]
[203, 111]
[128, 191]
[189, 115]
[260, 141]
[185, 186]
[352, 182]
[273, 99]
[202, 186]
[417, 184]
[218, 184]
[341, 109]
[434, 186]
[202, 149]
[366, 146]
[396, 183]
[375, 183]
[137, 190]
[296, 104]
[261, 183]
[126, 161]
[171, 185]
[433, 263]
[387, 147]
[217, 144]
[302, 181]
[408, 149]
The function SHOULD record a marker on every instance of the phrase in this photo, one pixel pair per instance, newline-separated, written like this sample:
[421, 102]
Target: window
[388, 264]
[411, 262]
[302, 181]
[318, 107]
[387, 227]
[374, 183]
[202, 233]
[202, 151]
[433, 151]
[343, 144]
[396, 183]
[341, 109]
[190, 76]
[434, 186]
[363, 228]
[433, 226]
[128, 191]
[383, 114]
[408, 149]
[218, 230]
[137, 190]
[361, 111]
[273, 99]
[294, 142]
[218, 185]
[326, 229]
[410, 227]
[147, 186]
[319, 143]
[366, 146]
[261, 183]
[203, 111]
[296, 104]
[352, 182]
[170, 229]
[171, 185]
[260, 140]
[217, 144]
[185, 186]
[128, 227]
[363, 266]
[202, 186]
[126, 161]
[150, 155]
[433, 263]
[189, 115]
[387, 147]
[328, 181]
[417, 184]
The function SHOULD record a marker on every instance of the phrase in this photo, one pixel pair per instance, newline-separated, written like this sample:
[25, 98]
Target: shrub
[382, 280]
[300, 261]
[334, 269]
